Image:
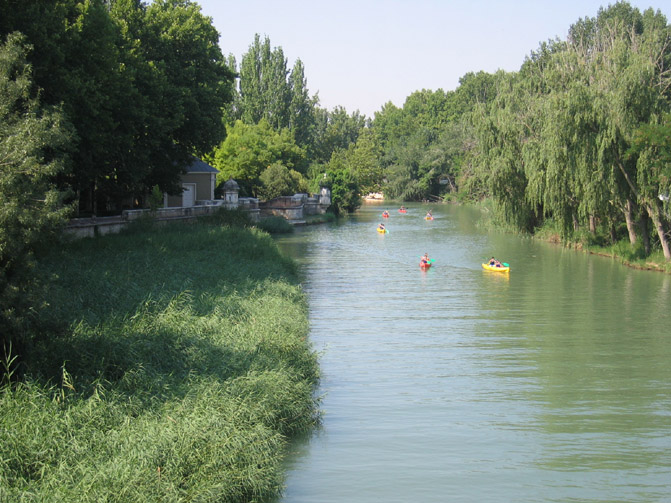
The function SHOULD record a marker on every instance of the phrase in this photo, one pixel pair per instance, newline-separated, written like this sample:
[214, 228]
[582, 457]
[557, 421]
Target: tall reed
[167, 364]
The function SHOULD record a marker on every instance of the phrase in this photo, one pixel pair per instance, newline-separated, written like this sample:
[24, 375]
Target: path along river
[549, 384]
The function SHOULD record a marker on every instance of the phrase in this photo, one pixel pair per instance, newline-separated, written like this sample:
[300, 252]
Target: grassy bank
[166, 364]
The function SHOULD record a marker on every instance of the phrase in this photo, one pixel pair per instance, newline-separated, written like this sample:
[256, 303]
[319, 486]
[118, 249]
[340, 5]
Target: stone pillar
[231, 190]
[325, 196]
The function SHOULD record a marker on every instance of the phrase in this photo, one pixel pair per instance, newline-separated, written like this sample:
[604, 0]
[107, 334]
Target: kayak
[381, 231]
[385, 215]
[402, 211]
[428, 218]
[494, 268]
[424, 265]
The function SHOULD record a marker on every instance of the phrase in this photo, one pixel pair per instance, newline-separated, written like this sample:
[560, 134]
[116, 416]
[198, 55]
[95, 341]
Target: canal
[548, 384]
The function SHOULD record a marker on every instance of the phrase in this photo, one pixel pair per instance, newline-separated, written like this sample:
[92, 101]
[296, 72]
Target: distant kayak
[428, 218]
[494, 268]
[385, 215]
[382, 231]
[402, 211]
[424, 265]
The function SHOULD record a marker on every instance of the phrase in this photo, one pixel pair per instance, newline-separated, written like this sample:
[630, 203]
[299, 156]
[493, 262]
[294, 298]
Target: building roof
[198, 166]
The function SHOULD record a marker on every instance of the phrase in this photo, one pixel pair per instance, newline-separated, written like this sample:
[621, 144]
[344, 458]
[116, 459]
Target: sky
[361, 54]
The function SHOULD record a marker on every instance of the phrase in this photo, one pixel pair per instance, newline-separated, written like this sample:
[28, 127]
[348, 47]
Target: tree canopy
[143, 86]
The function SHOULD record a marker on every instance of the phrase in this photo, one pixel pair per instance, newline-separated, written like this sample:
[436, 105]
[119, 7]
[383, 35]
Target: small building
[198, 184]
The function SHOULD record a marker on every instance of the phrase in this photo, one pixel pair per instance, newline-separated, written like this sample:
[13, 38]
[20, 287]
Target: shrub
[275, 225]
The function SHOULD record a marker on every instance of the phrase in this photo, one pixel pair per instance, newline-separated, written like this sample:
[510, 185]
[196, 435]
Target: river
[548, 384]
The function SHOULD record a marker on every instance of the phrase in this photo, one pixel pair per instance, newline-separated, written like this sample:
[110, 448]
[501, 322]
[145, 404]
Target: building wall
[204, 188]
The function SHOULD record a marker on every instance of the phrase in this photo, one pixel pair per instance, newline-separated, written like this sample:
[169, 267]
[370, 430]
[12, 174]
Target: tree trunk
[656, 215]
[629, 218]
[643, 229]
[592, 224]
[654, 211]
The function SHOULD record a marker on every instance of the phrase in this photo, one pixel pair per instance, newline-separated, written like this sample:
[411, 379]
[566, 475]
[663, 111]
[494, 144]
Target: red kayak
[424, 265]
[402, 211]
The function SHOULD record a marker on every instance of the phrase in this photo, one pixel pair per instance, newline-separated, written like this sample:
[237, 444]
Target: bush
[275, 225]
[230, 218]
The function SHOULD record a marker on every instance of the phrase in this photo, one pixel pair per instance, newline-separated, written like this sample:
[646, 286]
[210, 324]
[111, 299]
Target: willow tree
[629, 64]
[501, 128]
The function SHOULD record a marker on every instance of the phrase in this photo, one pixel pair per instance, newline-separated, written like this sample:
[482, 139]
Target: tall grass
[168, 364]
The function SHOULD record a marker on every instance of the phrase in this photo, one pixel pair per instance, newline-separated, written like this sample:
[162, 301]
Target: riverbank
[166, 364]
[622, 251]
[594, 244]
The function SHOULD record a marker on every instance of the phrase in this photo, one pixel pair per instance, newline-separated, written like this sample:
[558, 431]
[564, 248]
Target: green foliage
[33, 142]
[277, 180]
[302, 107]
[143, 86]
[363, 158]
[155, 198]
[427, 141]
[334, 130]
[345, 189]
[275, 225]
[176, 377]
[556, 141]
[249, 149]
[651, 144]
[264, 89]
[230, 218]
[268, 90]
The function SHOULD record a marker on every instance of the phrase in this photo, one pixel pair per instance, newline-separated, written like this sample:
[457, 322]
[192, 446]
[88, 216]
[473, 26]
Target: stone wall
[98, 226]
[294, 208]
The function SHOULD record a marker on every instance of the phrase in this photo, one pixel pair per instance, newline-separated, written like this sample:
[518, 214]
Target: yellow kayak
[381, 231]
[494, 268]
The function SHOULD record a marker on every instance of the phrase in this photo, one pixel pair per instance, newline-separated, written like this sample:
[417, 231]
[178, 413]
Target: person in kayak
[424, 259]
[429, 216]
[381, 227]
[494, 263]
[385, 214]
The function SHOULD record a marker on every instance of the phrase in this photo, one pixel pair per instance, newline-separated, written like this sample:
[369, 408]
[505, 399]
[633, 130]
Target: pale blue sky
[360, 54]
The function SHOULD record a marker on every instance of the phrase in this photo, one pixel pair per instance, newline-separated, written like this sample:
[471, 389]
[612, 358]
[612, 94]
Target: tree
[632, 69]
[301, 107]
[345, 192]
[264, 90]
[363, 158]
[278, 180]
[249, 149]
[142, 85]
[190, 85]
[334, 130]
[33, 143]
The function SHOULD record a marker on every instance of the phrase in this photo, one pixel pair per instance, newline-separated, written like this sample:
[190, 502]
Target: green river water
[549, 384]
